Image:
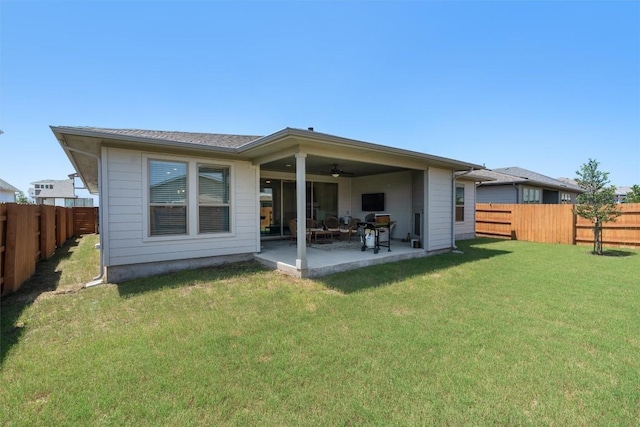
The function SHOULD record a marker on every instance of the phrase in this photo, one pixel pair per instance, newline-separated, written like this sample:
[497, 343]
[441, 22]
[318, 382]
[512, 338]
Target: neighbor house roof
[4, 185]
[623, 190]
[475, 175]
[517, 175]
[48, 181]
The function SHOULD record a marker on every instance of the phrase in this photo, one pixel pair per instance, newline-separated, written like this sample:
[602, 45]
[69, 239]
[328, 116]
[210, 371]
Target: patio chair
[349, 229]
[332, 225]
[293, 229]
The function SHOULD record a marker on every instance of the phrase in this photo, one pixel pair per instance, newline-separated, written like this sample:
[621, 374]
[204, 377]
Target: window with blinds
[213, 199]
[459, 203]
[167, 198]
[531, 195]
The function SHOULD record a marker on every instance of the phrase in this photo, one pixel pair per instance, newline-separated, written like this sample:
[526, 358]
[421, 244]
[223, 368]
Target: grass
[508, 333]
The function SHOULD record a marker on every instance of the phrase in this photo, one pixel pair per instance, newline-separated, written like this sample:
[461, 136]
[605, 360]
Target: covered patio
[331, 258]
[307, 175]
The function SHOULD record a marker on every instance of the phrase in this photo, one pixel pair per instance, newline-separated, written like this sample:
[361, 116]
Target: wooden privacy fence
[30, 233]
[625, 231]
[555, 224]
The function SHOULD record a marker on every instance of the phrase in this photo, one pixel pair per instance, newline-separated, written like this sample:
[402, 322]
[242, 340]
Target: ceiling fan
[336, 171]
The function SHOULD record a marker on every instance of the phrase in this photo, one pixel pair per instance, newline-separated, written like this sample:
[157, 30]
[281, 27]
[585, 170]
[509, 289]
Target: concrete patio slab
[332, 258]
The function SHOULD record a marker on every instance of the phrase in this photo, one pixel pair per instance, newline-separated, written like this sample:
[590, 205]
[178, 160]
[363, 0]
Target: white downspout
[98, 279]
[453, 211]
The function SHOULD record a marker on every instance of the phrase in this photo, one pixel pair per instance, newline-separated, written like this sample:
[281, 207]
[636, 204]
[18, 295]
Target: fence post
[21, 245]
[69, 217]
[61, 226]
[47, 231]
[3, 245]
[574, 226]
[11, 257]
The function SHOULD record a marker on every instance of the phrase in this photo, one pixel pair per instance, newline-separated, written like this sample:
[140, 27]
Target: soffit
[276, 151]
[320, 165]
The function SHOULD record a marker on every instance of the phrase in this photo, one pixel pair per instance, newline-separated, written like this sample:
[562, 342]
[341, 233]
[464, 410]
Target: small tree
[598, 202]
[633, 196]
[21, 198]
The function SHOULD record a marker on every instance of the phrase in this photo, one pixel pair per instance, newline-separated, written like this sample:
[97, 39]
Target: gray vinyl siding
[467, 229]
[497, 194]
[7, 196]
[440, 199]
[124, 198]
[126, 235]
[397, 193]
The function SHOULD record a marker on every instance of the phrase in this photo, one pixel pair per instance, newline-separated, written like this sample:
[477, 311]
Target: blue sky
[542, 85]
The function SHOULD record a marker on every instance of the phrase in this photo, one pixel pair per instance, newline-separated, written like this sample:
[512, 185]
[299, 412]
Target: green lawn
[508, 333]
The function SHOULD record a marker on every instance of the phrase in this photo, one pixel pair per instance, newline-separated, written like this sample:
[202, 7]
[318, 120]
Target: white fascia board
[61, 131]
[361, 145]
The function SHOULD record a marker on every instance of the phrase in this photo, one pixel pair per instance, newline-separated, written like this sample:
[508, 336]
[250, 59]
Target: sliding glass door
[278, 204]
[322, 200]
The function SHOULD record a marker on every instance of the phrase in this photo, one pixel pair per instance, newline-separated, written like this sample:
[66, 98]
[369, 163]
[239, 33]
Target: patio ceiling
[320, 165]
[276, 152]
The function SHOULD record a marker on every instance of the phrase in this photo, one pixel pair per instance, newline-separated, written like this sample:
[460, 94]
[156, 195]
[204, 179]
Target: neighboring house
[175, 200]
[57, 193]
[621, 194]
[7, 192]
[518, 185]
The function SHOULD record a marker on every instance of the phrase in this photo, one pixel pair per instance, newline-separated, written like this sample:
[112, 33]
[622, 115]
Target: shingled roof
[210, 139]
[517, 175]
[4, 185]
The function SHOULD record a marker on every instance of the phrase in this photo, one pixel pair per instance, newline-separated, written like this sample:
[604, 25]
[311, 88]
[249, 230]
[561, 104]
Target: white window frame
[184, 204]
[199, 205]
[526, 191]
[462, 186]
[192, 198]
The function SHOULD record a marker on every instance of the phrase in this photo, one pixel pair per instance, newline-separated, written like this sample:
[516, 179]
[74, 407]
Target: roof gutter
[98, 280]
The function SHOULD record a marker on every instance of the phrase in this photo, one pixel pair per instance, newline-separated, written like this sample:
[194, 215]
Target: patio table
[322, 233]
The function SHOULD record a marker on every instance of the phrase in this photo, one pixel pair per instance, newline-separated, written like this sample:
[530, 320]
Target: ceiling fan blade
[337, 171]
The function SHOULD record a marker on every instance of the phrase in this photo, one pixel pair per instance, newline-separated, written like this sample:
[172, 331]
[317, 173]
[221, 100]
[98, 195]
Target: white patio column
[425, 207]
[301, 209]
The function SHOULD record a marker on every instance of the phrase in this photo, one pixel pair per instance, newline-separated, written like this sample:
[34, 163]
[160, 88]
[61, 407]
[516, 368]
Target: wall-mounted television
[373, 202]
